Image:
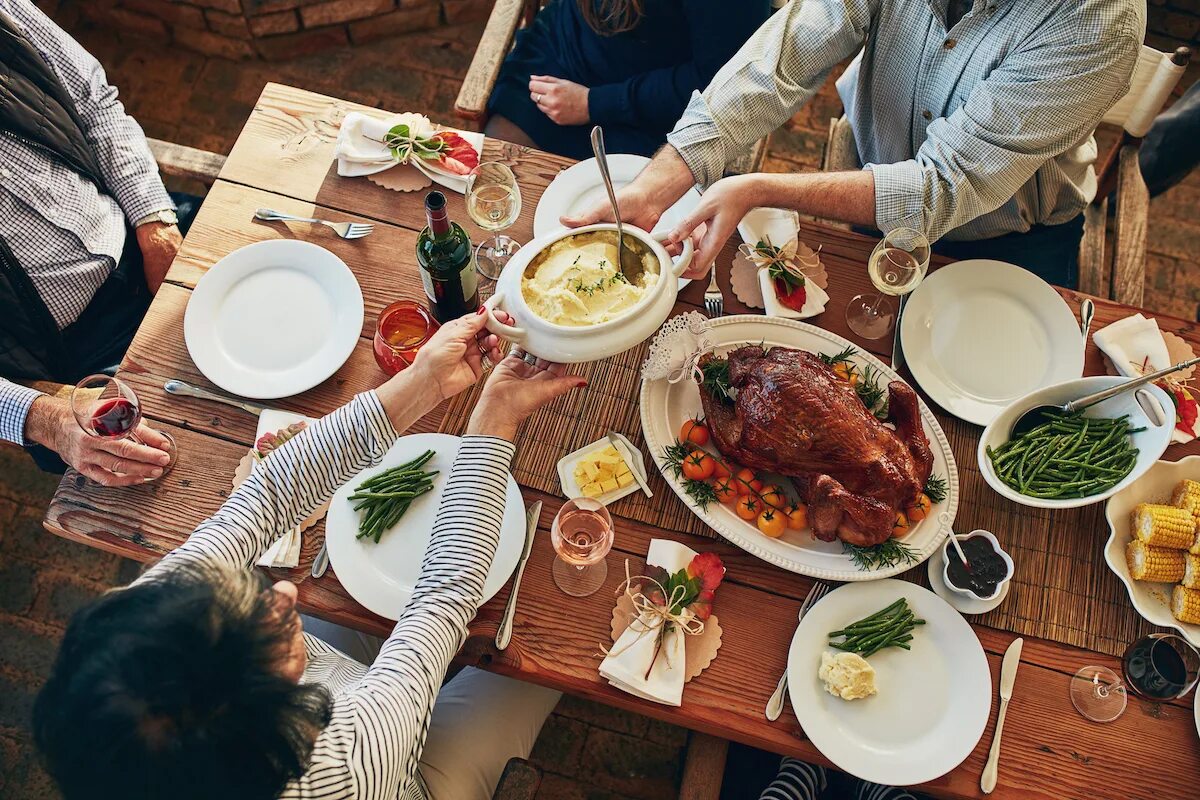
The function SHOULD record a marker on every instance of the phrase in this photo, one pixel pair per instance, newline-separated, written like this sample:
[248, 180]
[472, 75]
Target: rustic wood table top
[283, 160]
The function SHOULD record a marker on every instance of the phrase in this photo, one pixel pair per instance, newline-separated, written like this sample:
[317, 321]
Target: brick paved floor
[588, 751]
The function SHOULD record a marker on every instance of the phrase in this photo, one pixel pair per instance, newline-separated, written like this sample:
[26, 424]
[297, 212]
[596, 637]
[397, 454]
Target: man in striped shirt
[973, 118]
[197, 682]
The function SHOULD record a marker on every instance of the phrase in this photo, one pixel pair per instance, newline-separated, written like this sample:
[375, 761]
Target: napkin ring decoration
[663, 601]
[677, 348]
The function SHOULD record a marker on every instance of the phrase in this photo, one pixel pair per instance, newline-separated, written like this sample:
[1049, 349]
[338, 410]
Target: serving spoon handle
[1092, 399]
[602, 159]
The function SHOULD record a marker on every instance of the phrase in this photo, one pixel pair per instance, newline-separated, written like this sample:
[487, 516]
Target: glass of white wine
[494, 203]
[897, 265]
[582, 535]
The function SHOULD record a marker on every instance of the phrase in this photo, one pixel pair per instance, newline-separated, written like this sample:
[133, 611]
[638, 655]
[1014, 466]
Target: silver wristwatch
[166, 217]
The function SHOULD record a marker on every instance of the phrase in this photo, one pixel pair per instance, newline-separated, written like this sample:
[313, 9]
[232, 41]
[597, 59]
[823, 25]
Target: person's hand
[516, 389]
[452, 359]
[110, 462]
[159, 243]
[638, 207]
[564, 102]
[714, 220]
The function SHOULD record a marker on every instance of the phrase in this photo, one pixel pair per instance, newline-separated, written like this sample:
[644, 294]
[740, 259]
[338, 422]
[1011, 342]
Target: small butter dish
[631, 455]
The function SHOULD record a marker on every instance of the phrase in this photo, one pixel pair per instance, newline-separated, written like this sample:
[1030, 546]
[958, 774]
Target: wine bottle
[447, 263]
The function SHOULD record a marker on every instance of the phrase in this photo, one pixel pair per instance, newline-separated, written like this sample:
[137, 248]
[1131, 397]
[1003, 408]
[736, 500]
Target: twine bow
[652, 617]
[784, 263]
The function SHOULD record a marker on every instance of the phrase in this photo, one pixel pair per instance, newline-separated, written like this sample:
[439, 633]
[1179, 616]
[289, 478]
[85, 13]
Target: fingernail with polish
[481, 310]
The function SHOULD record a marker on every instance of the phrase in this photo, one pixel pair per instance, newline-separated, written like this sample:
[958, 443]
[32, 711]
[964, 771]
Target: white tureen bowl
[572, 345]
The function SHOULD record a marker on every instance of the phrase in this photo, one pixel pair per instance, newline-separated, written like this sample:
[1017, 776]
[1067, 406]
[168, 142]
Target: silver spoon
[1040, 414]
[631, 264]
[1087, 310]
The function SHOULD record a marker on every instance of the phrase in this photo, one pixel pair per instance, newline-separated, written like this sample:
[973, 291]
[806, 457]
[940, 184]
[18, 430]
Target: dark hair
[610, 17]
[171, 688]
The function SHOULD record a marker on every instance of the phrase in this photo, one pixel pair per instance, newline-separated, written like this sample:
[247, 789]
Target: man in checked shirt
[973, 120]
[87, 233]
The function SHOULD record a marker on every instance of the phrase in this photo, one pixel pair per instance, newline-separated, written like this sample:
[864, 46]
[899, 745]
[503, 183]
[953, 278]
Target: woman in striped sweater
[198, 680]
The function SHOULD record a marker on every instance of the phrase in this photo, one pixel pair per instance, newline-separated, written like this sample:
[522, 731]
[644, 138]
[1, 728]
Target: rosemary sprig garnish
[936, 488]
[702, 492]
[716, 379]
[844, 357]
[880, 556]
[870, 392]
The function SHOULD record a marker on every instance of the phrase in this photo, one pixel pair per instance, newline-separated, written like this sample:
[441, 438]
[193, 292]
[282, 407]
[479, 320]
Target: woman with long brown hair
[629, 65]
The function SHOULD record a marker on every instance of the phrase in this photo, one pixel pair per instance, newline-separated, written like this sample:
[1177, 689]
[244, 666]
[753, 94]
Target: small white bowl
[948, 547]
[566, 470]
[1150, 443]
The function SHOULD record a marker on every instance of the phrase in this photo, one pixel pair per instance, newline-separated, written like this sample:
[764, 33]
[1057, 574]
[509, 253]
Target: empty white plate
[978, 334]
[273, 319]
[579, 187]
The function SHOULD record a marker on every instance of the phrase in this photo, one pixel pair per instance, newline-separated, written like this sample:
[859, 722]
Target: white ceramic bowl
[1150, 443]
[1151, 600]
[962, 537]
[572, 345]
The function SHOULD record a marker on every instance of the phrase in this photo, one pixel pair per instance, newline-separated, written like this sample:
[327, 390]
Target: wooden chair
[495, 44]
[1123, 276]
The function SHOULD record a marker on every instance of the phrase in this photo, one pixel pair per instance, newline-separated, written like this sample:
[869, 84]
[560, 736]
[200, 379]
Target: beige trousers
[479, 722]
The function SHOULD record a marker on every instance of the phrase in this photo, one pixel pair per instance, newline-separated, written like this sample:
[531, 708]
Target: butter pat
[847, 675]
[602, 470]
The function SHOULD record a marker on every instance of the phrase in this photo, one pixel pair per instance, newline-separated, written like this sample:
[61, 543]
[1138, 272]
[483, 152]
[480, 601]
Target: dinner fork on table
[714, 302]
[346, 230]
[775, 704]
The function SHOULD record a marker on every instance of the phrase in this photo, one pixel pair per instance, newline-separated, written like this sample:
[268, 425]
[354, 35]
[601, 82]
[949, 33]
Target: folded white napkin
[360, 149]
[777, 224]
[284, 551]
[815, 299]
[1134, 345]
[627, 669]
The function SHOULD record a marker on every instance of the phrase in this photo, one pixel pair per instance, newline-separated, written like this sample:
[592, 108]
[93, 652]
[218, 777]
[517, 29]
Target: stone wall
[273, 30]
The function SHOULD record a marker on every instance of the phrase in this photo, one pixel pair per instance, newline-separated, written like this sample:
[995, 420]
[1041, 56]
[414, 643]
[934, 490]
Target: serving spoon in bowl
[629, 261]
[1040, 414]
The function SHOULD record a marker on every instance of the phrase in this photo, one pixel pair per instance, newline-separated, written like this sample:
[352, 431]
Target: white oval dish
[1150, 443]
[933, 701]
[572, 345]
[381, 576]
[978, 334]
[1151, 600]
[665, 406]
[273, 319]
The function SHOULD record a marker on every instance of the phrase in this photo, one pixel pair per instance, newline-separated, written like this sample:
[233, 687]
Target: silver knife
[504, 632]
[897, 350]
[635, 464]
[181, 389]
[1008, 676]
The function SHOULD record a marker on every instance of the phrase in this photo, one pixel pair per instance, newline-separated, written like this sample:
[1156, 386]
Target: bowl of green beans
[1074, 460]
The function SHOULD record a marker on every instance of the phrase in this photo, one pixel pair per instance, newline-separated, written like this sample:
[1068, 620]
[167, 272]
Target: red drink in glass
[403, 328]
[115, 417]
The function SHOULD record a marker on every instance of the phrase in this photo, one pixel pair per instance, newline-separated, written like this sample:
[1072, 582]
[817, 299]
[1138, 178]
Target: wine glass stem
[1101, 691]
[875, 304]
[497, 247]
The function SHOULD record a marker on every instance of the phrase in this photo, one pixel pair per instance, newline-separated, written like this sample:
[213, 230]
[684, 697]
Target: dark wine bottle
[447, 262]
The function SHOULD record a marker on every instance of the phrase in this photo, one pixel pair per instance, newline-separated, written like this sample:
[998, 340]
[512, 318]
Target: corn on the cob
[1164, 526]
[1191, 572]
[1154, 563]
[1185, 604]
[1187, 496]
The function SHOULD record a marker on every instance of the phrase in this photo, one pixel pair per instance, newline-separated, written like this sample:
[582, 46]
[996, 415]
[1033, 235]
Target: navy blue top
[645, 76]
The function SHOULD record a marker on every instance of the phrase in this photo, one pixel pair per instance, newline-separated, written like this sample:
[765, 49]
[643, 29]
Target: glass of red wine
[1158, 667]
[107, 408]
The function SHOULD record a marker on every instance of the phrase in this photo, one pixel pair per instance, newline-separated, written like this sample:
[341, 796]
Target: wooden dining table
[283, 160]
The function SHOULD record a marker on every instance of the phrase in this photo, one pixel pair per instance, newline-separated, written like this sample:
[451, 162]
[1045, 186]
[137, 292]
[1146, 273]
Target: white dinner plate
[978, 334]
[381, 576]
[932, 703]
[1151, 600]
[665, 407]
[579, 187]
[273, 319]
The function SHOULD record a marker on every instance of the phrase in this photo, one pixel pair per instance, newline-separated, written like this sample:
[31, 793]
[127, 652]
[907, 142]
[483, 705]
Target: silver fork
[346, 230]
[714, 302]
[775, 704]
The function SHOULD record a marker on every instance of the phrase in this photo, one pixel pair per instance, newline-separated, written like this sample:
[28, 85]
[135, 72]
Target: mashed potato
[847, 675]
[578, 281]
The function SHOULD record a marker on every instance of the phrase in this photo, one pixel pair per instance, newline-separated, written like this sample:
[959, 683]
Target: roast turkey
[794, 416]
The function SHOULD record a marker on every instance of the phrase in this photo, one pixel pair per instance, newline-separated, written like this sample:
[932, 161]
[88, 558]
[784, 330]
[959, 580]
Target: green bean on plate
[383, 499]
[888, 627]
[1071, 456]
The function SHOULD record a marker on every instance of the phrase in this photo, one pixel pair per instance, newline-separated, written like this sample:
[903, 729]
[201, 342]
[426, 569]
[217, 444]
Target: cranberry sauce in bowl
[989, 566]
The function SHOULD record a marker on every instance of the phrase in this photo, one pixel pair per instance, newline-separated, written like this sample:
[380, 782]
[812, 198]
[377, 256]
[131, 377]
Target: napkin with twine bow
[1136, 346]
[421, 151]
[670, 613]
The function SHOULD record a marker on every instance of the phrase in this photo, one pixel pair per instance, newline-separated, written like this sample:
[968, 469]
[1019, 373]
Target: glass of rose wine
[107, 408]
[582, 535]
[896, 266]
[494, 203]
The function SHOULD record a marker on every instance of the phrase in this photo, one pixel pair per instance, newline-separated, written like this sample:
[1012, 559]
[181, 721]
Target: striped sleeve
[380, 725]
[288, 486]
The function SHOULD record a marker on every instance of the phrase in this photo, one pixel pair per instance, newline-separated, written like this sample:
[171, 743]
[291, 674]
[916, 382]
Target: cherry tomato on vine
[772, 522]
[748, 507]
[698, 466]
[695, 432]
[724, 489]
